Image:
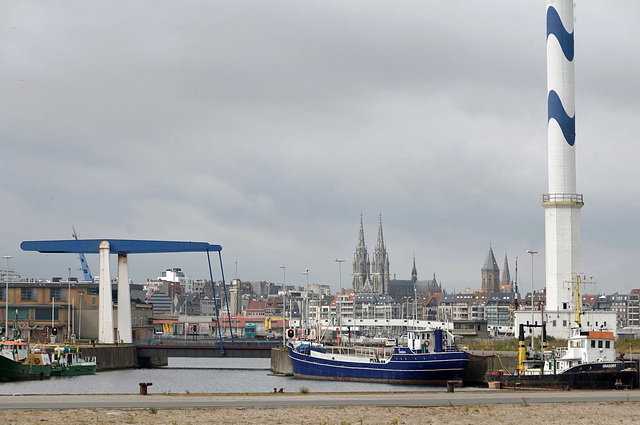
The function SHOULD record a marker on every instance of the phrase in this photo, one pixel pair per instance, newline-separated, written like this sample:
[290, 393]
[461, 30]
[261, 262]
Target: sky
[270, 127]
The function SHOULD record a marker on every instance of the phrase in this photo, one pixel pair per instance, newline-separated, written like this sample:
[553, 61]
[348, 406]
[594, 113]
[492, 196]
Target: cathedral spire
[414, 271]
[380, 265]
[361, 235]
[361, 264]
[380, 244]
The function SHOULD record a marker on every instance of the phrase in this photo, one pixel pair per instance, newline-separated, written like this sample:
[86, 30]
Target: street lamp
[531, 251]
[6, 297]
[340, 261]
[306, 321]
[284, 303]
[69, 307]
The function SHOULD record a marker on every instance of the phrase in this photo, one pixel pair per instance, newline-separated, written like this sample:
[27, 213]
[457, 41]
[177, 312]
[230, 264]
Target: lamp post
[531, 251]
[69, 307]
[6, 297]
[340, 261]
[284, 304]
[306, 320]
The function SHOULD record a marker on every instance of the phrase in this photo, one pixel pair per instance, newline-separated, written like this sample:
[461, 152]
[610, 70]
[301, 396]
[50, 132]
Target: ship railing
[561, 352]
[365, 352]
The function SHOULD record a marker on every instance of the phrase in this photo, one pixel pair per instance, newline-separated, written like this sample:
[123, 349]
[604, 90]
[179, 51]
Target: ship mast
[576, 288]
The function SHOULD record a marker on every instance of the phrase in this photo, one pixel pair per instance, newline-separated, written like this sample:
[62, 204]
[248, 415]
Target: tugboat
[19, 363]
[588, 362]
[430, 358]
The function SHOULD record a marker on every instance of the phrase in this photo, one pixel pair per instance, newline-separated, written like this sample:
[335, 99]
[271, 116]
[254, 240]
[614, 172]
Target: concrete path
[412, 399]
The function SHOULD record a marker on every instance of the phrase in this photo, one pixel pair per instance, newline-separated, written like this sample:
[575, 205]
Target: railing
[215, 342]
[562, 197]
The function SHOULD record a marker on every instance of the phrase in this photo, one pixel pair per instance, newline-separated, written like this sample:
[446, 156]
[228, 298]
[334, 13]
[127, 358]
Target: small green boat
[68, 361]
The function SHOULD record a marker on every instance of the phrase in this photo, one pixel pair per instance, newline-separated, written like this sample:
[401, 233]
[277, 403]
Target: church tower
[380, 266]
[361, 265]
[506, 285]
[490, 273]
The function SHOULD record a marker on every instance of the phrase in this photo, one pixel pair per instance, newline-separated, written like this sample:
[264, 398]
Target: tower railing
[563, 197]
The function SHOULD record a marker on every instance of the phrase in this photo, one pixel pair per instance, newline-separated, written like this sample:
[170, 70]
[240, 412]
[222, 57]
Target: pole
[306, 320]
[531, 251]
[284, 304]
[340, 261]
[69, 306]
[6, 297]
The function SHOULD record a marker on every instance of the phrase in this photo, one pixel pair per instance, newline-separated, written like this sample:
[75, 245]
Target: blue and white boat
[430, 358]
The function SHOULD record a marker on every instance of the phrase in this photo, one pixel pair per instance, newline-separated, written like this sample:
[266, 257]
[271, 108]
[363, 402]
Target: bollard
[451, 384]
[143, 387]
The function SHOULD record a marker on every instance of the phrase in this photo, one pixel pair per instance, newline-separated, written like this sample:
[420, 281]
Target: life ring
[427, 343]
[444, 342]
[36, 360]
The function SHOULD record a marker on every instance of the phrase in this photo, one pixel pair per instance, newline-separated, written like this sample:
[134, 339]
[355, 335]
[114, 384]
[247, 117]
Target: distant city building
[633, 308]
[498, 308]
[400, 289]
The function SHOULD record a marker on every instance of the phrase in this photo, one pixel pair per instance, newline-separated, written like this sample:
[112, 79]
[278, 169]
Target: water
[188, 375]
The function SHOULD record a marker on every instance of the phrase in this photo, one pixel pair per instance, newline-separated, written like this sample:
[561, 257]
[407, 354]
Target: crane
[83, 261]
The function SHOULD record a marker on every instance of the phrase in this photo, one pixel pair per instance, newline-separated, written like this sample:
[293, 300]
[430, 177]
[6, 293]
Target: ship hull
[402, 368]
[17, 371]
[588, 376]
[73, 370]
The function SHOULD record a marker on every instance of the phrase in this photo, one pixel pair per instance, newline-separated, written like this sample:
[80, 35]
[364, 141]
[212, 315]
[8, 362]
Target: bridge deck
[206, 348]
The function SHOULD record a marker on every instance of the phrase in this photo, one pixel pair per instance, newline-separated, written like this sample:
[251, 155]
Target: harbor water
[189, 375]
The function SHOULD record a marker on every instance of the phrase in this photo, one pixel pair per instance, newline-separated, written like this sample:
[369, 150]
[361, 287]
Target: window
[564, 323]
[29, 294]
[58, 294]
[2, 294]
[607, 344]
[600, 344]
[593, 343]
[554, 323]
[44, 314]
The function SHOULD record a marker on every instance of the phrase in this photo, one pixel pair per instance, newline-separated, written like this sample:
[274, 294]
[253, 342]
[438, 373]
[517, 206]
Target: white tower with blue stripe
[562, 205]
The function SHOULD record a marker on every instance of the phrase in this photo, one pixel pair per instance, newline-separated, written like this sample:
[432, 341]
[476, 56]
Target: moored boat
[19, 363]
[430, 358]
[68, 361]
[588, 362]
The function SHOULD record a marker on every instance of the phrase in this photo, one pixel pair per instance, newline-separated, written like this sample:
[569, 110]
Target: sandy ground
[560, 413]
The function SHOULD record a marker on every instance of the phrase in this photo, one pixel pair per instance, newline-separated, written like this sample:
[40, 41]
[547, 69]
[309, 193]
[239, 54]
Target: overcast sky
[269, 126]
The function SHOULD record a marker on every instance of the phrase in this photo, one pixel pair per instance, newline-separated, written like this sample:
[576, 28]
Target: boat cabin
[15, 350]
[589, 346]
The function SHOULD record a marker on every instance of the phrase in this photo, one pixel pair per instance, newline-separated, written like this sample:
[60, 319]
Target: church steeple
[414, 271]
[505, 283]
[380, 265]
[361, 264]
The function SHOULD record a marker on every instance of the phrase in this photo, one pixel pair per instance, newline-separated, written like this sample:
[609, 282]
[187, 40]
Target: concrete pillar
[124, 301]
[105, 305]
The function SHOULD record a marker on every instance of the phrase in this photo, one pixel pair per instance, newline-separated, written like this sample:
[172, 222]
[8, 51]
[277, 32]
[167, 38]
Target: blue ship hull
[404, 367]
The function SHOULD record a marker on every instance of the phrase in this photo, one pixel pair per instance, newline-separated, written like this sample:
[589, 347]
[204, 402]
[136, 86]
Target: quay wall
[110, 357]
[280, 362]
